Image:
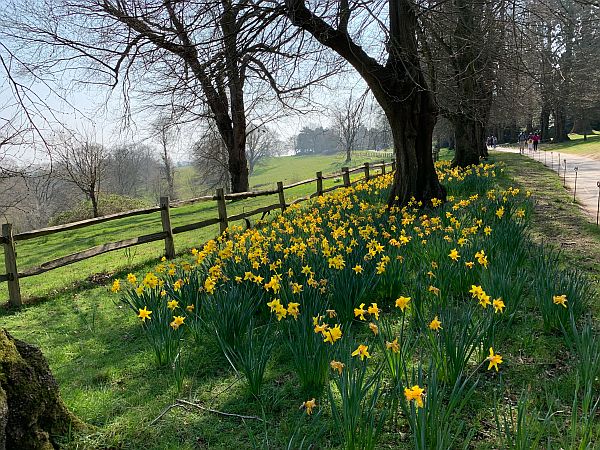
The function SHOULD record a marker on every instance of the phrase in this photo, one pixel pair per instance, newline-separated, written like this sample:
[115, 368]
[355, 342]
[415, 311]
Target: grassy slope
[103, 364]
[577, 146]
[37, 251]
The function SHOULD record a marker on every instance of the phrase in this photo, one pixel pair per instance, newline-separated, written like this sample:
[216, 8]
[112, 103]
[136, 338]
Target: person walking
[522, 141]
[494, 142]
[530, 143]
[536, 141]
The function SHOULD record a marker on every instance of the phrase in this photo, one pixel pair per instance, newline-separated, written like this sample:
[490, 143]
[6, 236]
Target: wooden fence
[8, 239]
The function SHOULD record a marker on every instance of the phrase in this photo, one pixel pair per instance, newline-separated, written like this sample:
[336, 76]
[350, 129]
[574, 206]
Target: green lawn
[36, 251]
[104, 366]
[577, 146]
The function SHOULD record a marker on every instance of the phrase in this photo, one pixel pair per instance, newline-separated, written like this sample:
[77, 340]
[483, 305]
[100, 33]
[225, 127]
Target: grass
[96, 270]
[577, 146]
[104, 366]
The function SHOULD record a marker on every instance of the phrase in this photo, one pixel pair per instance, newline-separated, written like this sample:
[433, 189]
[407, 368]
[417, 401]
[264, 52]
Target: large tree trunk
[238, 165]
[412, 124]
[482, 140]
[467, 137]
[560, 125]
[32, 413]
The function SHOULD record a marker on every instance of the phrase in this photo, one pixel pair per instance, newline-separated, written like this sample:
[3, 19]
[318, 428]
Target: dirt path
[588, 175]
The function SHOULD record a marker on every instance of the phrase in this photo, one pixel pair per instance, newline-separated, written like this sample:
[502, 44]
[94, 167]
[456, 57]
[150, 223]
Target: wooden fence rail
[168, 232]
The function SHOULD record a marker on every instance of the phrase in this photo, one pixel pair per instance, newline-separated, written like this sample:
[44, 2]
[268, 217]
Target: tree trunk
[94, 200]
[466, 135]
[412, 124]
[560, 125]
[482, 140]
[348, 155]
[582, 125]
[32, 413]
[544, 124]
[238, 165]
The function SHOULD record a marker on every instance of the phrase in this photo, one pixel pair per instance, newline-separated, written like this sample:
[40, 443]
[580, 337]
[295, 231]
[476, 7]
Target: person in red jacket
[536, 141]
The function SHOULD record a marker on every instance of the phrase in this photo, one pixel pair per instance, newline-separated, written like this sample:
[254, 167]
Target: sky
[96, 113]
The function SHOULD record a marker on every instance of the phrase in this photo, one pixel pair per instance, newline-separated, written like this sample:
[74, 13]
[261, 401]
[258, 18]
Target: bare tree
[209, 156]
[165, 133]
[347, 119]
[261, 143]
[128, 168]
[84, 165]
[398, 82]
[219, 60]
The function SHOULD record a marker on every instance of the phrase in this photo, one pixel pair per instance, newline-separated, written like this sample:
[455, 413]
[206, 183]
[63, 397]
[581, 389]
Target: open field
[36, 251]
[577, 146]
[104, 365]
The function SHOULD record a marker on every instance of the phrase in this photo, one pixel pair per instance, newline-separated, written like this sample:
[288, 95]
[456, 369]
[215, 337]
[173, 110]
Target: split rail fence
[8, 239]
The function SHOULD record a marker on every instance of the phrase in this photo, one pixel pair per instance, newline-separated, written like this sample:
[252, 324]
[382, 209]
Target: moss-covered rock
[35, 413]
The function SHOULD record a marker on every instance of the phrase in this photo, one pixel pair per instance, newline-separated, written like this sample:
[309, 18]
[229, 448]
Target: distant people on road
[522, 141]
[536, 141]
[494, 141]
[530, 143]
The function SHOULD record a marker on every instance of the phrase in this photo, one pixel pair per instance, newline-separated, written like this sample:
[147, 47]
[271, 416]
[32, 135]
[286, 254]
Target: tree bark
[560, 125]
[31, 409]
[544, 124]
[467, 137]
[94, 200]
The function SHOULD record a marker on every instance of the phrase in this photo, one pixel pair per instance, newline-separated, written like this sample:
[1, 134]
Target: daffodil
[360, 312]
[177, 322]
[293, 310]
[274, 304]
[144, 314]
[560, 300]
[116, 286]
[402, 302]
[498, 305]
[435, 324]
[494, 360]
[393, 346]
[337, 365]
[374, 310]
[415, 394]
[454, 254]
[333, 334]
[358, 269]
[362, 351]
[131, 278]
[374, 328]
[172, 304]
[309, 405]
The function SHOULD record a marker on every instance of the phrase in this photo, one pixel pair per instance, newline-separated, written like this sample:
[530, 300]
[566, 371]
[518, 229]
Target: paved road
[588, 175]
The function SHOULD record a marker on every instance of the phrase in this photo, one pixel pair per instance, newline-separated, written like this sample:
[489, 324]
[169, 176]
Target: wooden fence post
[319, 183]
[393, 165]
[165, 217]
[223, 223]
[281, 196]
[10, 263]
[346, 176]
[383, 167]
[367, 176]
